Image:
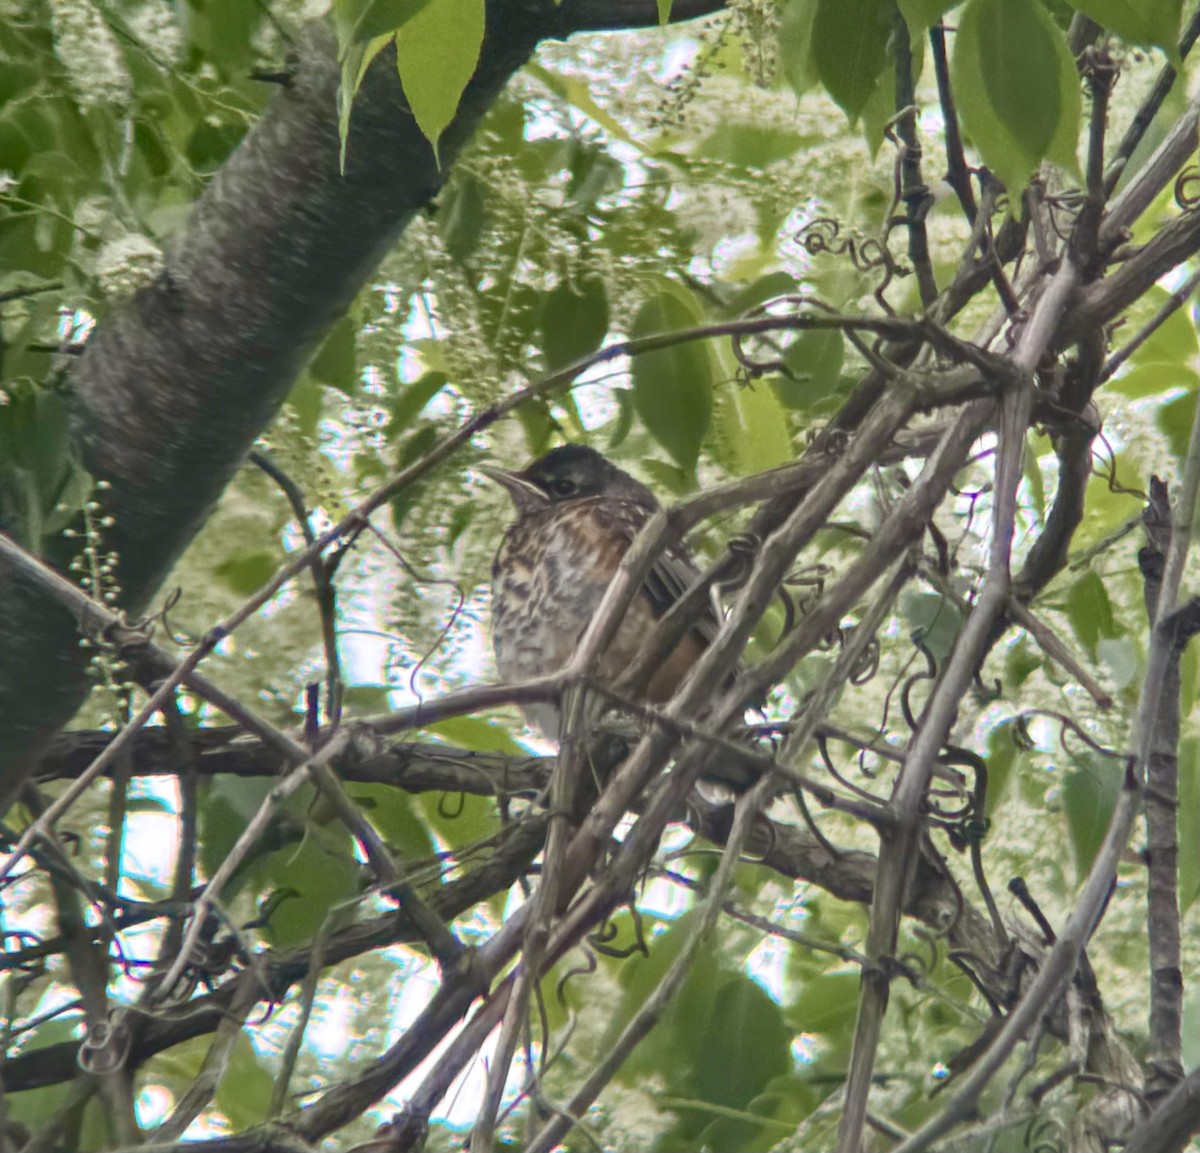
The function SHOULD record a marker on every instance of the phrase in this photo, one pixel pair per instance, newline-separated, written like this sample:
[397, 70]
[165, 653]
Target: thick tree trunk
[175, 385]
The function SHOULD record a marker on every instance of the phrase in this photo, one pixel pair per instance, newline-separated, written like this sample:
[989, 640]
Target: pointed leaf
[796, 44]
[1175, 419]
[355, 62]
[336, 362]
[1089, 795]
[849, 45]
[436, 54]
[814, 365]
[754, 426]
[1017, 87]
[1090, 610]
[1120, 656]
[412, 400]
[358, 21]
[574, 320]
[462, 216]
[672, 387]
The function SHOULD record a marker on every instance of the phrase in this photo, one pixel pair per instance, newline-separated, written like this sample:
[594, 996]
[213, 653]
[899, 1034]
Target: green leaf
[1106, 508]
[46, 1104]
[1151, 23]
[755, 1046]
[754, 428]
[307, 402]
[412, 400]
[1189, 820]
[1190, 1048]
[619, 429]
[459, 820]
[1090, 610]
[392, 812]
[244, 1092]
[814, 365]
[245, 573]
[1145, 380]
[1120, 656]
[311, 879]
[752, 147]
[826, 1004]
[436, 54]
[366, 700]
[849, 44]
[413, 448]
[1166, 359]
[664, 11]
[538, 425]
[356, 59]
[1189, 678]
[672, 387]
[1175, 419]
[594, 174]
[1002, 756]
[685, 1026]
[674, 479]
[462, 216]
[460, 520]
[576, 92]
[880, 109]
[1089, 796]
[1017, 88]
[42, 487]
[231, 25]
[1033, 473]
[476, 734]
[227, 806]
[336, 362]
[755, 1050]
[922, 14]
[767, 287]
[573, 319]
[358, 21]
[176, 1068]
[796, 44]
[1020, 661]
[933, 620]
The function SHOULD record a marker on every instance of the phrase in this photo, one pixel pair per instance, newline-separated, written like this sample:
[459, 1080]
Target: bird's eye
[564, 486]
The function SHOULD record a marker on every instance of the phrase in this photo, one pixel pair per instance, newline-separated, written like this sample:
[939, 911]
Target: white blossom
[90, 53]
[125, 264]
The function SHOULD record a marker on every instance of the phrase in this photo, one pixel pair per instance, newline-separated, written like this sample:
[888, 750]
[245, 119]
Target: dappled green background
[624, 184]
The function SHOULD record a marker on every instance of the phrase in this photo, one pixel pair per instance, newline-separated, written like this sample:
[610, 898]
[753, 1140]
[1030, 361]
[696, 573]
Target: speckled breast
[548, 579]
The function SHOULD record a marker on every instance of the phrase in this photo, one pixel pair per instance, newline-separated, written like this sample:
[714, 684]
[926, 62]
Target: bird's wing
[671, 575]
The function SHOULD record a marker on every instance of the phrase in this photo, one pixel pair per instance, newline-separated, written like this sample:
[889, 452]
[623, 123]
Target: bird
[577, 514]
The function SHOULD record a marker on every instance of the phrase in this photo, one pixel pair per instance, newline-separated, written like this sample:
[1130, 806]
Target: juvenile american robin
[577, 515]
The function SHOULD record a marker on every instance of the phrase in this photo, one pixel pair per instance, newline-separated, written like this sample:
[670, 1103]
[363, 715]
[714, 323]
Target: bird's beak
[525, 494]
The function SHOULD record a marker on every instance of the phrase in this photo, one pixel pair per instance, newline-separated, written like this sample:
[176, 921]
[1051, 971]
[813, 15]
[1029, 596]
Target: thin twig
[898, 846]
[553, 1132]
[1164, 1053]
[958, 174]
[913, 191]
[1169, 307]
[322, 584]
[1061, 959]
[1149, 110]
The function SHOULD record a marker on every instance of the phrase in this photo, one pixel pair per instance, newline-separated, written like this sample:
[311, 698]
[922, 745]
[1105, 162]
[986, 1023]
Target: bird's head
[570, 472]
